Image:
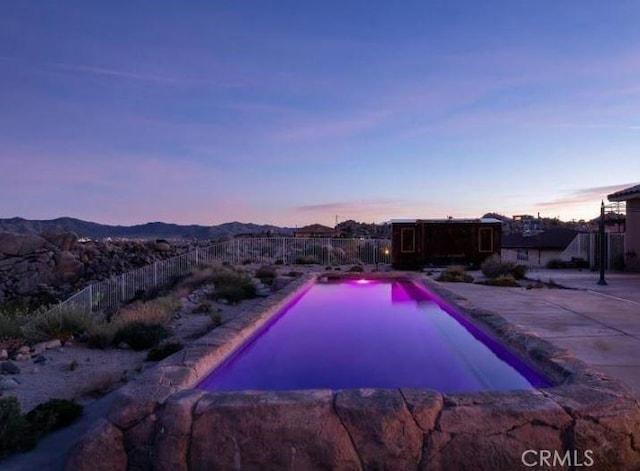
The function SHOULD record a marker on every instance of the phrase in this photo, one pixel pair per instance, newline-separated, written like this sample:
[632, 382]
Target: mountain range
[150, 230]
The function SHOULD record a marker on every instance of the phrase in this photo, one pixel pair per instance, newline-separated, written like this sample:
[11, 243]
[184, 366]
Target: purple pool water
[371, 334]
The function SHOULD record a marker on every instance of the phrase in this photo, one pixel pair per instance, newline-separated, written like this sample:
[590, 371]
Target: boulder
[9, 368]
[171, 445]
[67, 266]
[101, 449]
[383, 431]
[287, 430]
[280, 282]
[14, 244]
[8, 383]
[162, 246]
[63, 240]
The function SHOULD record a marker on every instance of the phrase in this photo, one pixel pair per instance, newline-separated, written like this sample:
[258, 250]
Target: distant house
[536, 250]
[316, 230]
[632, 225]
[527, 223]
[417, 243]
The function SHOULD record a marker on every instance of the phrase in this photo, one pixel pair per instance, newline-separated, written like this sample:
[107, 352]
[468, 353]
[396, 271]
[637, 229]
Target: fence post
[122, 287]
[90, 298]
[196, 256]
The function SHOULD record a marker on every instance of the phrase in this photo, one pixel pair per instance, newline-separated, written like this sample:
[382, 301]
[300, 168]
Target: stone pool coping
[158, 421]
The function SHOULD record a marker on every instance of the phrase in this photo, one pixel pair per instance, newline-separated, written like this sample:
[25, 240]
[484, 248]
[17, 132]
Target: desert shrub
[15, 433]
[537, 285]
[519, 272]
[20, 432]
[162, 351]
[328, 268]
[141, 335]
[200, 277]
[11, 324]
[58, 324]
[279, 262]
[493, 267]
[156, 311]
[337, 269]
[233, 286]
[101, 335]
[52, 415]
[356, 269]
[555, 263]
[266, 274]
[295, 274]
[305, 260]
[235, 294]
[501, 280]
[247, 261]
[455, 274]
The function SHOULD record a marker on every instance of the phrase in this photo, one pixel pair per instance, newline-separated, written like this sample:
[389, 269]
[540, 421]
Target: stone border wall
[158, 423]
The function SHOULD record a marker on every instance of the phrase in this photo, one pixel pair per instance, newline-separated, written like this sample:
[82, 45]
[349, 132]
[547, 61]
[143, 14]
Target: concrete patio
[599, 324]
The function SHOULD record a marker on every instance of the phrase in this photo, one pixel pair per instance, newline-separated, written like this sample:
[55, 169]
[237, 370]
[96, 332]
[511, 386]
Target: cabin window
[523, 254]
[407, 240]
[486, 240]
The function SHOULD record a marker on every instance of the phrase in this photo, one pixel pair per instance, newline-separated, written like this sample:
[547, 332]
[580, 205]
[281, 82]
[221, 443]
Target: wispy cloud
[122, 74]
[630, 127]
[126, 74]
[585, 195]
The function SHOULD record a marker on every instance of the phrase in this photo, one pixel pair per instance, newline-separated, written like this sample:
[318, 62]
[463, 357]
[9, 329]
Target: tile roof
[626, 194]
[557, 239]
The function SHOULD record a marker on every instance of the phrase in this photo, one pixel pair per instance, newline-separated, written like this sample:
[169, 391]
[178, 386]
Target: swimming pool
[371, 333]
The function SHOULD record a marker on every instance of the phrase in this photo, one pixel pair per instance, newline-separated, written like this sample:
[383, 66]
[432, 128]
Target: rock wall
[47, 268]
[370, 429]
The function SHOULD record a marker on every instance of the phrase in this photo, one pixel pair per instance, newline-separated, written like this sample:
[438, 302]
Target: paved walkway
[599, 324]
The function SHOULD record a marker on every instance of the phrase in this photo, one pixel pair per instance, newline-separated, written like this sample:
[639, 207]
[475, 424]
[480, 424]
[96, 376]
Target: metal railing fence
[107, 295]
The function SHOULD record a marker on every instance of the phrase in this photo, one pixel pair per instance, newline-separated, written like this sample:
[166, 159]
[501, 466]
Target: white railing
[109, 294]
[586, 247]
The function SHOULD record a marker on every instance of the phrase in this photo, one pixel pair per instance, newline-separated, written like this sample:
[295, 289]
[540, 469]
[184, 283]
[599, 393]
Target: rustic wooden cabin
[418, 243]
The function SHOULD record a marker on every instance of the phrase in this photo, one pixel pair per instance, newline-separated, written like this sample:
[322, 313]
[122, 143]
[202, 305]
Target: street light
[603, 246]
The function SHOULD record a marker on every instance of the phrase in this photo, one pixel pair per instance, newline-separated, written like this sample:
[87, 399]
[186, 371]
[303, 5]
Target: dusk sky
[293, 112]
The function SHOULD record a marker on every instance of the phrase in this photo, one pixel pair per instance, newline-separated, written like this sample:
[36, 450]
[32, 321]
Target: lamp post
[603, 246]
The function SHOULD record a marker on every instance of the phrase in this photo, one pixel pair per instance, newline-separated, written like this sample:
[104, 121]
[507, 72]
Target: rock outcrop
[39, 270]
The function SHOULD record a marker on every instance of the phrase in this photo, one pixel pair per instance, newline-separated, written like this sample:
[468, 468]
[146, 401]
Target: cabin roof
[453, 220]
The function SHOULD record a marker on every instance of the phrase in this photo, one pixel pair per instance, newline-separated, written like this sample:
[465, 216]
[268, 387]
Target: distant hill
[151, 230]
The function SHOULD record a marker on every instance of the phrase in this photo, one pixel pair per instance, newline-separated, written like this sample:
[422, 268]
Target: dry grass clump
[201, 276]
[503, 280]
[58, 324]
[455, 274]
[266, 274]
[156, 311]
[493, 267]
